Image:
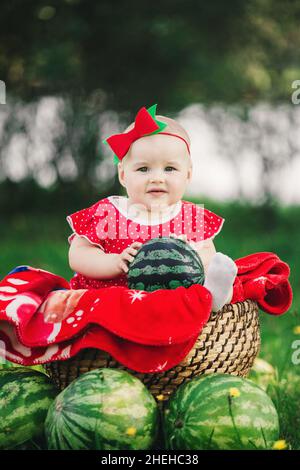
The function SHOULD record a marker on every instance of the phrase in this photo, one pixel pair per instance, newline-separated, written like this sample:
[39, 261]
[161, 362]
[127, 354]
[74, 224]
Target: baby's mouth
[157, 194]
[157, 191]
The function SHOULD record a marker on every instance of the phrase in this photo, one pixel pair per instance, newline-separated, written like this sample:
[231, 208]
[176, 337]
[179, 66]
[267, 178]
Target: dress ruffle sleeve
[85, 223]
[204, 224]
[213, 224]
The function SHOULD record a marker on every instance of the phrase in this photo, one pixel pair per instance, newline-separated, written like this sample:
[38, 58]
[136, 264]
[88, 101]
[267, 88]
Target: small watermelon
[25, 397]
[220, 411]
[165, 263]
[104, 409]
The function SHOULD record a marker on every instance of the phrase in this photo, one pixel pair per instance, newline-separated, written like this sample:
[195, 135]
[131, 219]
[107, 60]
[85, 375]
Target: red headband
[179, 137]
[145, 124]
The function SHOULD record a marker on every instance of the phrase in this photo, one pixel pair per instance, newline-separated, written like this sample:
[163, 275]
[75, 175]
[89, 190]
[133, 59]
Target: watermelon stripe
[72, 433]
[163, 269]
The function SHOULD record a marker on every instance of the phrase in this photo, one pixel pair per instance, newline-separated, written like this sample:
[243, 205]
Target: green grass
[41, 241]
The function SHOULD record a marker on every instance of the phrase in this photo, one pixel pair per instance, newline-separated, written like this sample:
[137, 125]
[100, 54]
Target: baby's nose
[158, 176]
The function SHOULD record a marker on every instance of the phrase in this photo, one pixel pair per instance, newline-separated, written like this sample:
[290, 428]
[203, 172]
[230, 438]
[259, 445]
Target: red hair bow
[144, 124]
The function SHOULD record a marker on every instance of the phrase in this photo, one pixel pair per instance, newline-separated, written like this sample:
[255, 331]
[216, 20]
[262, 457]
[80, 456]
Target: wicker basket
[228, 343]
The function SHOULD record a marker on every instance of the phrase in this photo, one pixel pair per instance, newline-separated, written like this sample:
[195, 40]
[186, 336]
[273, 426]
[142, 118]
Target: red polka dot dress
[110, 225]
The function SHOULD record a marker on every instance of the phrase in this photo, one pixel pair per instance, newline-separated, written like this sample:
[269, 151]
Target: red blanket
[263, 277]
[42, 320]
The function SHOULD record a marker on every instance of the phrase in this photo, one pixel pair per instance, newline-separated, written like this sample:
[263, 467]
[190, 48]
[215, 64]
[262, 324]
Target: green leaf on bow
[116, 159]
[161, 125]
[152, 110]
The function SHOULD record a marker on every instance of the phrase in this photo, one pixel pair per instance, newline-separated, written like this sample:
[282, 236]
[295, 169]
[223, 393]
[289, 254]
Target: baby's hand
[127, 256]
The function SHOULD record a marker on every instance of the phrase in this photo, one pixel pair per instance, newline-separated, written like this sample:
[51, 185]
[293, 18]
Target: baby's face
[156, 162]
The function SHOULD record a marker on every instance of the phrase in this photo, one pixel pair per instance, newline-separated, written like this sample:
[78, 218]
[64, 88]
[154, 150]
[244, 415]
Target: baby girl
[155, 167]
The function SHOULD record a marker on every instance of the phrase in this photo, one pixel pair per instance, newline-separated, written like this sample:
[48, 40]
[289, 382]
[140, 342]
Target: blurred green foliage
[126, 53]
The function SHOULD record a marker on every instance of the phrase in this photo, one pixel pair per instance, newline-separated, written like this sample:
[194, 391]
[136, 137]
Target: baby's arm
[206, 250]
[90, 261]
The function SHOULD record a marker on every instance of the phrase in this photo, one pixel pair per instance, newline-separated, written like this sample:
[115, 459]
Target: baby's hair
[172, 126]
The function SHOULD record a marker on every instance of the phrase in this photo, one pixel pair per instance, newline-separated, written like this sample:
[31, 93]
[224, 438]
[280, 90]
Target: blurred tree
[174, 52]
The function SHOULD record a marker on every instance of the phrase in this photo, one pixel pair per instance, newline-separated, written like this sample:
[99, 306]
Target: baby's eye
[143, 169]
[170, 167]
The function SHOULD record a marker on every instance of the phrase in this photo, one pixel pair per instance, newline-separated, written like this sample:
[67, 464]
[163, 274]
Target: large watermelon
[25, 396]
[107, 409]
[4, 364]
[220, 411]
[165, 263]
